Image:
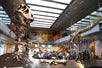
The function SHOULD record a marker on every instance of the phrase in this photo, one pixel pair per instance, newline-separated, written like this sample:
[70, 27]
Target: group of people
[85, 56]
[68, 55]
[51, 55]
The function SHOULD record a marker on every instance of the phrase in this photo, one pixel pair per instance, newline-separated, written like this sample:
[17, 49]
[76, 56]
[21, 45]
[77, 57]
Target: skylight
[4, 17]
[92, 18]
[46, 12]
[44, 9]
[63, 1]
[44, 17]
[46, 3]
[41, 23]
[43, 20]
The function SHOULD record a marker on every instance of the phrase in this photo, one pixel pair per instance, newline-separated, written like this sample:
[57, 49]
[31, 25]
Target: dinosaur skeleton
[26, 12]
[20, 20]
[75, 39]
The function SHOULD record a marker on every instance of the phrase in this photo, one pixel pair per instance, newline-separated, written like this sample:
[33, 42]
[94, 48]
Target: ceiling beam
[42, 24]
[44, 6]
[99, 11]
[56, 2]
[6, 19]
[45, 11]
[95, 15]
[3, 13]
[44, 19]
[76, 25]
[45, 15]
[84, 21]
[1, 10]
[89, 19]
[76, 11]
[79, 25]
[3, 17]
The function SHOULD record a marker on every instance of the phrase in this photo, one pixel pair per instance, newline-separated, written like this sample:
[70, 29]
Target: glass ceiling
[4, 17]
[92, 18]
[46, 12]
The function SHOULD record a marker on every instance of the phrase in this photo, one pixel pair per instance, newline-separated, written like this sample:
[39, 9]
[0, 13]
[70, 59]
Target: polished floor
[7, 61]
[70, 64]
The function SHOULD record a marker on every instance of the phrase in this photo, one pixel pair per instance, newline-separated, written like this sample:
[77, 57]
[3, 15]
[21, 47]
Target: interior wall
[98, 47]
[92, 45]
[5, 49]
[9, 48]
[1, 49]
[44, 37]
[56, 48]
[2, 43]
